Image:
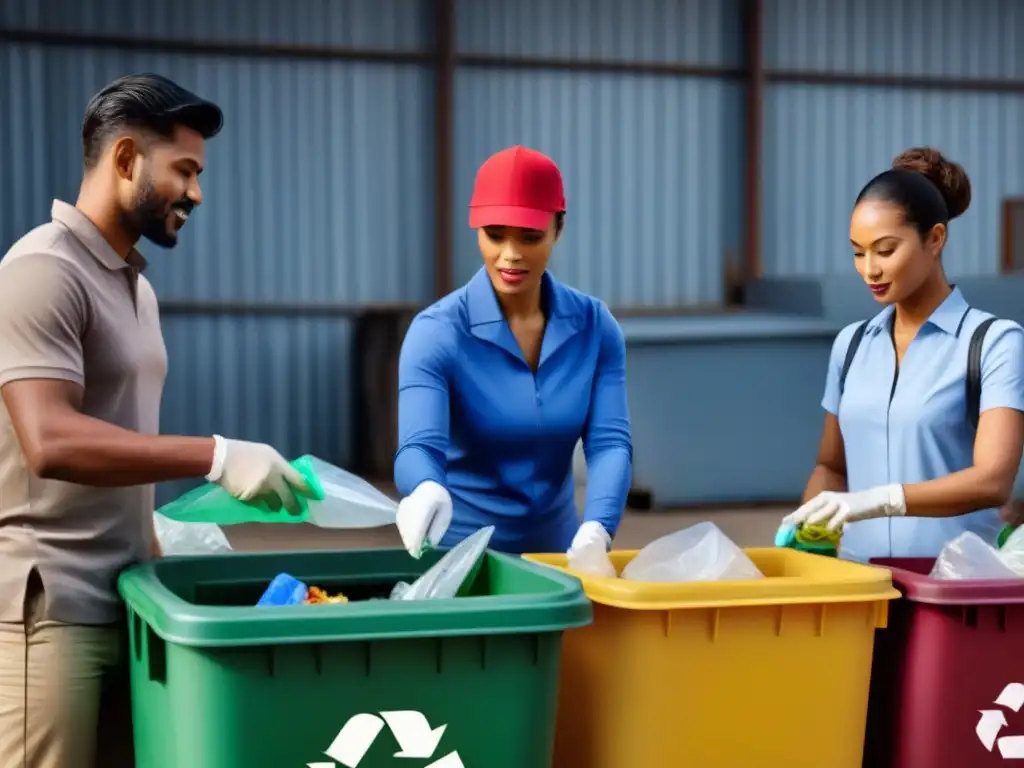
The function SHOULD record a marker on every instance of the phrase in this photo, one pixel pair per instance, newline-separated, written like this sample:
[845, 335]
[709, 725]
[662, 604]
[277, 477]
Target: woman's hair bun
[949, 177]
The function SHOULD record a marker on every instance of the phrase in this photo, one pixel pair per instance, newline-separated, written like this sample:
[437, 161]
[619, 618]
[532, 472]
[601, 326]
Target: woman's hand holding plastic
[424, 516]
[834, 510]
[588, 552]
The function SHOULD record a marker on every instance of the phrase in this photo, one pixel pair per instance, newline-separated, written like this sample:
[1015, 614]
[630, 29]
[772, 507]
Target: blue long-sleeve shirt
[473, 416]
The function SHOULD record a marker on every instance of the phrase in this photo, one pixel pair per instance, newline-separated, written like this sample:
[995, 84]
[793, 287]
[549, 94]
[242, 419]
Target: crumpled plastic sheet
[968, 556]
[456, 567]
[350, 501]
[698, 553]
[189, 538]
[1012, 552]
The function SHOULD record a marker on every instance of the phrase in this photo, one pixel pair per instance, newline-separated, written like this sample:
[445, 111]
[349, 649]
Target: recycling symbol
[993, 721]
[410, 729]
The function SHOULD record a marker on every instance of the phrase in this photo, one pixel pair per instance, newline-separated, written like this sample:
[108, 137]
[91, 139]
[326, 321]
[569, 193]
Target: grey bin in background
[378, 336]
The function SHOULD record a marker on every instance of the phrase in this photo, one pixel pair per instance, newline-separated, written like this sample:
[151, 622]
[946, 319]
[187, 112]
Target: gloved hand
[424, 516]
[1012, 513]
[256, 472]
[588, 552]
[834, 510]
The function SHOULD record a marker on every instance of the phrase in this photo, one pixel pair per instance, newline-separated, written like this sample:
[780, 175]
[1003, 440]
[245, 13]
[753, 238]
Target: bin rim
[178, 621]
[833, 581]
[921, 588]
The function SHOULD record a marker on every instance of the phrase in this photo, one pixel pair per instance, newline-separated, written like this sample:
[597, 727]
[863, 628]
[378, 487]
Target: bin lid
[204, 601]
[792, 578]
[911, 576]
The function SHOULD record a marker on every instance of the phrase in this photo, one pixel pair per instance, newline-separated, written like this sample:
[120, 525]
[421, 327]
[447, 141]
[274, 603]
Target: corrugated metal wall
[319, 190]
[823, 142]
[652, 163]
[384, 24]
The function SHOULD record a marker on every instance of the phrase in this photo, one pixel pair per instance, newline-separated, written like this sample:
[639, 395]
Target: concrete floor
[747, 527]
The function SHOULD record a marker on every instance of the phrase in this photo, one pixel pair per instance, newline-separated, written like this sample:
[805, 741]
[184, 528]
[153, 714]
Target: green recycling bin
[470, 682]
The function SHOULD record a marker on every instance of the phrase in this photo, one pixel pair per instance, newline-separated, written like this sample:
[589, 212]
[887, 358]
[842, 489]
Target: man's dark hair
[146, 103]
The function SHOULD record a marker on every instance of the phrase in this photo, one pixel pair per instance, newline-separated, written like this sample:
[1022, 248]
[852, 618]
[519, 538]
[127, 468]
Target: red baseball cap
[517, 187]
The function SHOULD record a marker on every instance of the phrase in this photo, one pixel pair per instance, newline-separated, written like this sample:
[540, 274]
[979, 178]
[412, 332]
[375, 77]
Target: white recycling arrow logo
[411, 730]
[993, 721]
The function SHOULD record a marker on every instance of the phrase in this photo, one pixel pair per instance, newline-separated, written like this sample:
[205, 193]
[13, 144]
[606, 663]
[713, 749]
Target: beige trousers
[64, 695]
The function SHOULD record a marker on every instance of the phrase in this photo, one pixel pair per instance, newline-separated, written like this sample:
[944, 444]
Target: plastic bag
[445, 579]
[698, 553]
[968, 556]
[343, 501]
[349, 501]
[1012, 551]
[189, 538]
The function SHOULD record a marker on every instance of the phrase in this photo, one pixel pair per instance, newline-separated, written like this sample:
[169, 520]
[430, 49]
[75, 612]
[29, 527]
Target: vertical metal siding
[692, 31]
[279, 380]
[385, 24]
[652, 168]
[318, 189]
[936, 38]
[823, 143]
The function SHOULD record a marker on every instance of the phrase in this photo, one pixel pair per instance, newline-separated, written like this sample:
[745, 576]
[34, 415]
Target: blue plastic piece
[785, 536]
[284, 590]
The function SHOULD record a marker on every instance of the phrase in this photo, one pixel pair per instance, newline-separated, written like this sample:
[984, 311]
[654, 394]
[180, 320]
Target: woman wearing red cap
[500, 379]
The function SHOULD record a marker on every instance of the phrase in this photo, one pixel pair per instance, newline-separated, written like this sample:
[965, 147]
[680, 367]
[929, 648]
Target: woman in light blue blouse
[902, 468]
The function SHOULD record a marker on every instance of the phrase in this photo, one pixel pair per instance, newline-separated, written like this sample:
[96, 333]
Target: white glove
[424, 516]
[256, 472]
[588, 552]
[838, 509]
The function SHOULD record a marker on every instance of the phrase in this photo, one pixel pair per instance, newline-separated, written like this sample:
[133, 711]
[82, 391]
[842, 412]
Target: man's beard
[149, 216]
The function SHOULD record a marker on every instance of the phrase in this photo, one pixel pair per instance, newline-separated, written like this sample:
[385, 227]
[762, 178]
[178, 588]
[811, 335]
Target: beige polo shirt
[72, 309]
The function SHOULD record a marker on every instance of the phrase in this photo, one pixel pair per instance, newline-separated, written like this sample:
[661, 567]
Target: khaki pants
[64, 695]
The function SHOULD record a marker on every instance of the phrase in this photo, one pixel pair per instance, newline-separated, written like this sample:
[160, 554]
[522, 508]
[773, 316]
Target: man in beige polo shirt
[82, 367]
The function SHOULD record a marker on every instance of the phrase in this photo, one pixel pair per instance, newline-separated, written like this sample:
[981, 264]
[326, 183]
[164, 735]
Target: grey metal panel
[823, 143]
[958, 38]
[733, 420]
[390, 24]
[284, 381]
[319, 188]
[653, 172]
[692, 31]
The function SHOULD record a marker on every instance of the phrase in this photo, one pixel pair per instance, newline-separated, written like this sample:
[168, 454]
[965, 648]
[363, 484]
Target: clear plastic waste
[189, 538]
[457, 567]
[968, 556]
[345, 501]
[349, 501]
[1012, 551]
[698, 553]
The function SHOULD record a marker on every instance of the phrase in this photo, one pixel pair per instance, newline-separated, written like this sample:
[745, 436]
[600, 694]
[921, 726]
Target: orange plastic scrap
[317, 596]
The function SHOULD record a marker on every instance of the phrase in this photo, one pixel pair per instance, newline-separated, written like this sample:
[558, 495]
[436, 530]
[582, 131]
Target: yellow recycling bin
[772, 673]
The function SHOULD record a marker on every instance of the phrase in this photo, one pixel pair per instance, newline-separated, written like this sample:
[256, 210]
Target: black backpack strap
[974, 372]
[851, 352]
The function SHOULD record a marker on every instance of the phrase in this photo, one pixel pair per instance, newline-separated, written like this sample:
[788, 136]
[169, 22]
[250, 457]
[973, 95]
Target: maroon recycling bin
[947, 680]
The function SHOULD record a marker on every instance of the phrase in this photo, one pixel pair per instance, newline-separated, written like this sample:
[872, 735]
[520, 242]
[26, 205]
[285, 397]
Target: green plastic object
[219, 683]
[210, 503]
[816, 543]
[1004, 535]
